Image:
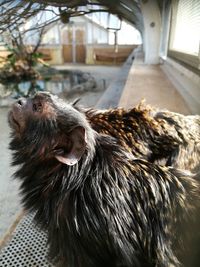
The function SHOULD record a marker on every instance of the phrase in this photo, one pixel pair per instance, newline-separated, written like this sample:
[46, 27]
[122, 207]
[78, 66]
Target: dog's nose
[22, 101]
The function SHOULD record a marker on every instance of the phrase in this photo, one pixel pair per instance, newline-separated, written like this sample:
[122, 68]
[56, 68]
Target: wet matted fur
[155, 135]
[100, 205]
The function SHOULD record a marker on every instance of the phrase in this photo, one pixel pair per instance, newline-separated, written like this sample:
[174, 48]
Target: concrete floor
[150, 83]
[9, 198]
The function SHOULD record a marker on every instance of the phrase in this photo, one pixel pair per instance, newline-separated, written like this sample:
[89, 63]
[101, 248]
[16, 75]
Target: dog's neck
[40, 179]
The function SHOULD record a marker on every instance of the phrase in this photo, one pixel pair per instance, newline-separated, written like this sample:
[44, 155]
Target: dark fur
[157, 136]
[108, 209]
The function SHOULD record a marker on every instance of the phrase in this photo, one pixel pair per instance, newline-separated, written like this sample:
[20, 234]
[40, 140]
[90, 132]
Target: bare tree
[23, 57]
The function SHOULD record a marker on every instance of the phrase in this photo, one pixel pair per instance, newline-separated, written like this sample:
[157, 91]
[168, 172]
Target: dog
[155, 135]
[100, 205]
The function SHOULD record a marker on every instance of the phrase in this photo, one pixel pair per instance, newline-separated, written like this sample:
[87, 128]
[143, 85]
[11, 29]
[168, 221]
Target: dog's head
[45, 127]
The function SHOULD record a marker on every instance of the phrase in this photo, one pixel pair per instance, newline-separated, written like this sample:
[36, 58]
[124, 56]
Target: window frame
[186, 58]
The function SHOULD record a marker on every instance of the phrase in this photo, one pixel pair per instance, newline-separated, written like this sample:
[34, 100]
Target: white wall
[152, 31]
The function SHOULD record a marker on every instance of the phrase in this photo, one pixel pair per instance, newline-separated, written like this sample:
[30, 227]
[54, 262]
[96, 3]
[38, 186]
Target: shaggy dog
[157, 136]
[99, 204]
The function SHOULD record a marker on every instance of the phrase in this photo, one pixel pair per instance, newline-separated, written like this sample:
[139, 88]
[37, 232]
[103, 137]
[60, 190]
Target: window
[185, 32]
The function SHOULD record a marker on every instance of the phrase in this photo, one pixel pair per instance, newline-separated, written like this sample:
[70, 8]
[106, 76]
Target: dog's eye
[37, 107]
[59, 150]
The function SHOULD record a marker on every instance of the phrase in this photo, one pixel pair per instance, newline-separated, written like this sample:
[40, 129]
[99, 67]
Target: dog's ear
[76, 147]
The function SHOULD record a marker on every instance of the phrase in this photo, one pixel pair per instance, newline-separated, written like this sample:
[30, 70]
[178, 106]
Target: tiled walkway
[150, 83]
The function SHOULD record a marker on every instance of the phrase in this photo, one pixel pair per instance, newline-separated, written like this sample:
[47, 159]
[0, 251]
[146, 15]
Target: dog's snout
[21, 102]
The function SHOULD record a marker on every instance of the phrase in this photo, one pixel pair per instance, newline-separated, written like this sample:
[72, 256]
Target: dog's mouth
[15, 117]
[13, 122]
